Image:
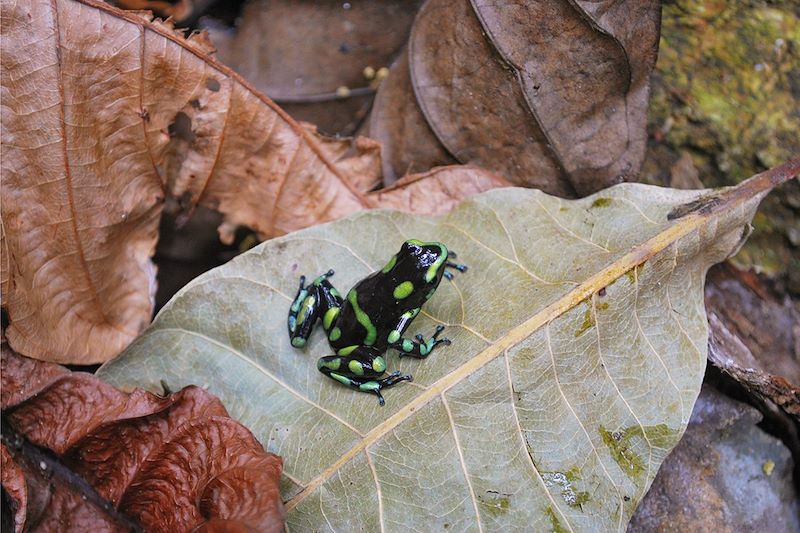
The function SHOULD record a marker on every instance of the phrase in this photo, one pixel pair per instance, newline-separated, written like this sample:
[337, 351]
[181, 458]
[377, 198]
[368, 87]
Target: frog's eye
[413, 244]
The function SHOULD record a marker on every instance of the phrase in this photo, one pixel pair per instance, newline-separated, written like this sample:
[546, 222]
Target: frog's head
[419, 262]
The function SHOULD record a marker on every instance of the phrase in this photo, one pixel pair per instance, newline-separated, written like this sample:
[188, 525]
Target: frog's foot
[420, 348]
[392, 379]
[371, 385]
[320, 279]
[457, 266]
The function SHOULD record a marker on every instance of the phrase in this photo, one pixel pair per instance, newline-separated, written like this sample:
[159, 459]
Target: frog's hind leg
[312, 302]
[360, 368]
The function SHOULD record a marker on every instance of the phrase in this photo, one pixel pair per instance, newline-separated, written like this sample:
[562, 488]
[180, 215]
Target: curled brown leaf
[549, 94]
[170, 464]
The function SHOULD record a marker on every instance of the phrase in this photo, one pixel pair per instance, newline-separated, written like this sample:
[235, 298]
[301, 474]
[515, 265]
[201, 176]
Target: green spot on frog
[601, 202]
[620, 444]
[298, 342]
[394, 336]
[330, 315]
[347, 350]
[335, 334]
[356, 368]
[341, 379]
[495, 505]
[363, 319]
[369, 386]
[390, 265]
[379, 364]
[403, 290]
[308, 303]
[554, 522]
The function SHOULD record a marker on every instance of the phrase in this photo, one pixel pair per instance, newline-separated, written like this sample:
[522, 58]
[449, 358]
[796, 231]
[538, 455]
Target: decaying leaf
[579, 345]
[408, 144]
[168, 463]
[300, 53]
[549, 94]
[726, 475]
[105, 112]
[13, 481]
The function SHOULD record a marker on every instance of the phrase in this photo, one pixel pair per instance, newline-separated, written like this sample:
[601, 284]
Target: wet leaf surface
[573, 369]
[105, 113]
[165, 463]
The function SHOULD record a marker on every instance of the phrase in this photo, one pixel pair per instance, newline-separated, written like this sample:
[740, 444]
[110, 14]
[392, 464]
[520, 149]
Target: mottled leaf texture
[551, 94]
[579, 345]
[169, 463]
[104, 113]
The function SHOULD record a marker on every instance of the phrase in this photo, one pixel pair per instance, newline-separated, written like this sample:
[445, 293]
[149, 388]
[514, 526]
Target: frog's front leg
[319, 299]
[449, 264]
[419, 348]
[361, 368]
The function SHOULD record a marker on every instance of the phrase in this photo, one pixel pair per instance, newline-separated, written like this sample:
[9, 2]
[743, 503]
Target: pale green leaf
[579, 346]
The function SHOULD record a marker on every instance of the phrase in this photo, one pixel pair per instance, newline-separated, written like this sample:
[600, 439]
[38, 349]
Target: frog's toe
[302, 282]
[457, 266]
[448, 275]
[419, 337]
[451, 253]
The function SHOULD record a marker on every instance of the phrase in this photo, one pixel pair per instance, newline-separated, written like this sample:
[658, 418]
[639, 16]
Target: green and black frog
[373, 316]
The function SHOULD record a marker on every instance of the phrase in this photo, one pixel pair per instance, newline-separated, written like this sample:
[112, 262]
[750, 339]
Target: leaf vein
[264, 371]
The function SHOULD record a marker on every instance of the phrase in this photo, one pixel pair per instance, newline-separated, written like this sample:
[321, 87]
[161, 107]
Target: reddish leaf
[171, 463]
[13, 480]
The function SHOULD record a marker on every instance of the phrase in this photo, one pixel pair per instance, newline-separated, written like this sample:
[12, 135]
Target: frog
[374, 316]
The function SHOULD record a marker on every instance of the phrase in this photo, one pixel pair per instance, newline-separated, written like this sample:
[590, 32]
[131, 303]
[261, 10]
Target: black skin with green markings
[374, 316]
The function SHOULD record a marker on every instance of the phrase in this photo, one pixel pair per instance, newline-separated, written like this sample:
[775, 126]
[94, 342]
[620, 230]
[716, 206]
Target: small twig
[321, 97]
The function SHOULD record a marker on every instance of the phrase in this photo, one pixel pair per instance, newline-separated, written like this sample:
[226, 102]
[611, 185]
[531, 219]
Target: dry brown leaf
[177, 9]
[169, 463]
[106, 112]
[409, 145]
[549, 94]
[300, 53]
